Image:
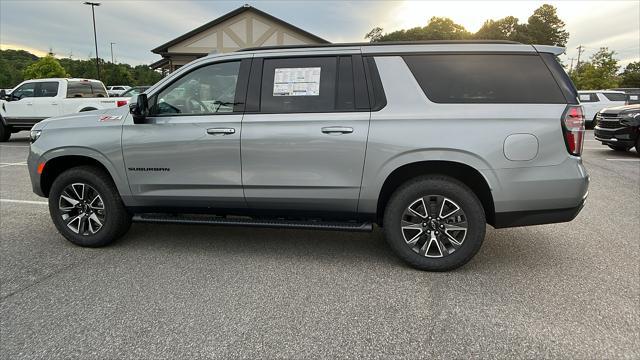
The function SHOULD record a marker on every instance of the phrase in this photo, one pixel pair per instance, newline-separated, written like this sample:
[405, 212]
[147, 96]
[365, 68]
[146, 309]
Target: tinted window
[485, 78]
[588, 97]
[306, 85]
[25, 91]
[210, 89]
[47, 89]
[98, 89]
[77, 89]
[615, 96]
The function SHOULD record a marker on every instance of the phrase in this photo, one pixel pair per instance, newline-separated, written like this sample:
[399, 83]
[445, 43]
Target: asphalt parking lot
[554, 291]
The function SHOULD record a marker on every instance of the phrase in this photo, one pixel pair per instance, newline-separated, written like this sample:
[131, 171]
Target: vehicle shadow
[502, 249]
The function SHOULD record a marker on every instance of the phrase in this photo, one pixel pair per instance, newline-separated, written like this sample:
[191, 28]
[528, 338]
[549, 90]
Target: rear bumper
[624, 136]
[537, 217]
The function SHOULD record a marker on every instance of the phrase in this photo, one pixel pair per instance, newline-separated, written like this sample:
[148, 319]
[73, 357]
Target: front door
[20, 109]
[303, 148]
[187, 154]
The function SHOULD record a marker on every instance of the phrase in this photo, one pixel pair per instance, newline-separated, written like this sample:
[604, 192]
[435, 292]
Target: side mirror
[3, 95]
[139, 109]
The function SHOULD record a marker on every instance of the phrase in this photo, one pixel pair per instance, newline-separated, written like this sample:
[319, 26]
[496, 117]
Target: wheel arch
[460, 171]
[54, 166]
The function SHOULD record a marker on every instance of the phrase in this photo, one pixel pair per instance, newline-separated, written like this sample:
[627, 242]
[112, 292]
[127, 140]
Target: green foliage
[598, 73]
[13, 65]
[46, 67]
[630, 77]
[544, 27]
[437, 28]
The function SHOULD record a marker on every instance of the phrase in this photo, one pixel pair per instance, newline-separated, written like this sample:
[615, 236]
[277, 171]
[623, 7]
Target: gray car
[430, 141]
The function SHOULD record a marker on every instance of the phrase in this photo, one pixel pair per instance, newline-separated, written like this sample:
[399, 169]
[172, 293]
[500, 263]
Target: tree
[46, 67]
[598, 73]
[544, 27]
[506, 28]
[438, 28]
[630, 77]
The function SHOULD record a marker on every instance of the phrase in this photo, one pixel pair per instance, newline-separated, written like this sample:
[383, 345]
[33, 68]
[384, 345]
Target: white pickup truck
[36, 100]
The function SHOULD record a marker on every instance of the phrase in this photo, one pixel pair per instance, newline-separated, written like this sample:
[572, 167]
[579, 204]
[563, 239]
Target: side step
[238, 221]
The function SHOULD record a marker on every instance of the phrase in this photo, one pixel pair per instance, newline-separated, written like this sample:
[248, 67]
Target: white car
[117, 90]
[36, 100]
[595, 100]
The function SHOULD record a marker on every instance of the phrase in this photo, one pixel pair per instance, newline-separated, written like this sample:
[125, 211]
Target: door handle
[337, 130]
[221, 131]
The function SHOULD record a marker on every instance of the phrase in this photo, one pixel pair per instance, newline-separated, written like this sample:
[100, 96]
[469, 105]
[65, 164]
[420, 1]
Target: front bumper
[623, 136]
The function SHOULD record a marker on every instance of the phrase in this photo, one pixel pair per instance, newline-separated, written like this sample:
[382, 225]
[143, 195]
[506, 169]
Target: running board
[268, 223]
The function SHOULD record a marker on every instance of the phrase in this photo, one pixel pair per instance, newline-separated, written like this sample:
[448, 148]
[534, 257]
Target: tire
[114, 218]
[429, 189]
[638, 145]
[618, 147]
[5, 132]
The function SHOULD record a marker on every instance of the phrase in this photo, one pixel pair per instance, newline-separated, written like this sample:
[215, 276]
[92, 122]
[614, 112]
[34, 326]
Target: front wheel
[86, 208]
[5, 132]
[434, 223]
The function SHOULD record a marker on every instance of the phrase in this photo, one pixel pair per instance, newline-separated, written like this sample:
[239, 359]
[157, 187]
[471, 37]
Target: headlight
[34, 135]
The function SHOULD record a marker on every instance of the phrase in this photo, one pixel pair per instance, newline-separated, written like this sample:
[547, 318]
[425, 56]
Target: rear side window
[485, 78]
[46, 89]
[299, 85]
[615, 96]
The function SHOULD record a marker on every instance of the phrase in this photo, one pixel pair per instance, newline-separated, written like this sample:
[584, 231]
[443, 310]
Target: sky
[137, 26]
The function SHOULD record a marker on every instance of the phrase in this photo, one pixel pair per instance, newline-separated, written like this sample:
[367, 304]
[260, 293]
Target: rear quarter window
[615, 96]
[485, 78]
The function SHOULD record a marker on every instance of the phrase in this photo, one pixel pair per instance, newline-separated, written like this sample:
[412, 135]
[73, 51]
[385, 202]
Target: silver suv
[430, 141]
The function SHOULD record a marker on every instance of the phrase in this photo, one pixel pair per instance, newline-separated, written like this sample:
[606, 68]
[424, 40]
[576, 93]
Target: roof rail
[422, 42]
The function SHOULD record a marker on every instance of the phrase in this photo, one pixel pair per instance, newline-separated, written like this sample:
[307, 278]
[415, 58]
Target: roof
[160, 63]
[164, 47]
[358, 44]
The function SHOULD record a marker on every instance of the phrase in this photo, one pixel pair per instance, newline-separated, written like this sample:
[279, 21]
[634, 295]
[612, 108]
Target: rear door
[187, 154]
[46, 104]
[304, 134]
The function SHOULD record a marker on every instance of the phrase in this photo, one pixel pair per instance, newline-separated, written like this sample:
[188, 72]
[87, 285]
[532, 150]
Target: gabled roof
[164, 47]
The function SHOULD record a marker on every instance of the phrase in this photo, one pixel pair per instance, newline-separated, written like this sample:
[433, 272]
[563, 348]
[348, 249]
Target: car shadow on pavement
[501, 249]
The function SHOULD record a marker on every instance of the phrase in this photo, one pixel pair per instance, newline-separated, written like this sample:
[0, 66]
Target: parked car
[117, 90]
[35, 100]
[633, 95]
[619, 127]
[134, 91]
[431, 141]
[595, 100]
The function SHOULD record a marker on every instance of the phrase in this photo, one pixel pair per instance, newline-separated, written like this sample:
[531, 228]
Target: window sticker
[296, 81]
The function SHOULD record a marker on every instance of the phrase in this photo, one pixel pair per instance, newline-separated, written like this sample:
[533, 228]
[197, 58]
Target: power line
[580, 50]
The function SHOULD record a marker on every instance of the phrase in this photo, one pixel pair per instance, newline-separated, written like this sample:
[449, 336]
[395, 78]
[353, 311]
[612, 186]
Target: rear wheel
[638, 145]
[5, 132]
[619, 147]
[86, 208]
[434, 223]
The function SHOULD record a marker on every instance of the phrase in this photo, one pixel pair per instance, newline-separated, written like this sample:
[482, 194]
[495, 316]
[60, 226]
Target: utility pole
[112, 61]
[571, 66]
[95, 37]
[580, 50]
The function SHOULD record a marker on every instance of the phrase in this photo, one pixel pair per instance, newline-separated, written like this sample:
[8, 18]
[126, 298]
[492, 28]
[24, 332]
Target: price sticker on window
[296, 81]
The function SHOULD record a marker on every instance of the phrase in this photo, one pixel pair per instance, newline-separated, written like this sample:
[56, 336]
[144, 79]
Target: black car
[619, 127]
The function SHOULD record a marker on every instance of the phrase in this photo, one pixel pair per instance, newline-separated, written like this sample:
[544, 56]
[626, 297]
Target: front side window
[210, 89]
[25, 91]
[485, 78]
[47, 89]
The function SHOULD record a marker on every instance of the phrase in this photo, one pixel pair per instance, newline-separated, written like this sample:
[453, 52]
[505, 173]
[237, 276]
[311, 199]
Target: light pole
[112, 61]
[95, 37]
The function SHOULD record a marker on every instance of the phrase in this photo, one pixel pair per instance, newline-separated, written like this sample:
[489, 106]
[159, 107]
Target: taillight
[121, 103]
[573, 129]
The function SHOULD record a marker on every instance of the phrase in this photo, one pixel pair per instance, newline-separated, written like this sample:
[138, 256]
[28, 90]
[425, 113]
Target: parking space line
[13, 164]
[31, 202]
[632, 160]
[15, 146]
